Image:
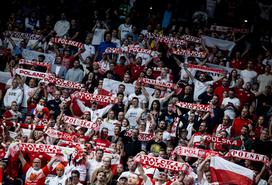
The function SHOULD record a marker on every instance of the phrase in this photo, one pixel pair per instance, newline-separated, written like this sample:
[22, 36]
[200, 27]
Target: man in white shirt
[230, 104]
[14, 93]
[248, 74]
[125, 29]
[265, 79]
[89, 49]
[95, 163]
[133, 112]
[62, 26]
[139, 95]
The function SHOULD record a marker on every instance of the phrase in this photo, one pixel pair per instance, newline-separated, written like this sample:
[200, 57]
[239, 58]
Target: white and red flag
[226, 172]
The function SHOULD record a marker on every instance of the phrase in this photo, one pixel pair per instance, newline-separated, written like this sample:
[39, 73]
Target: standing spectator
[99, 30]
[264, 101]
[132, 145]
[95, 163]
[248, 74]
[264, 145]
[103, 46]
[61, 178]
[156, 145]
[239, 122]
[14, 93]
[58, 69]
[265, 78]
[62, 26]
[13, 114]
[133, 112]
[231, 104]
[32, 22]
[75, 74]
[125, 29]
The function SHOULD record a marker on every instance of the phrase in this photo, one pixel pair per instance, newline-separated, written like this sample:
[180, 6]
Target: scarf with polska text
[157, 83]
[189, 53]
[35, 63]
[82, 123]
[142, 136]
[95, 97]
[48, 77]
[21, 35]
[162, 163]
[206, 69]
[67, 42]
[194, 106]
[60, 135]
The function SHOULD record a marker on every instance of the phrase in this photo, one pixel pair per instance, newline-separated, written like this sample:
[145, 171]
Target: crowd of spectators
[239, 99]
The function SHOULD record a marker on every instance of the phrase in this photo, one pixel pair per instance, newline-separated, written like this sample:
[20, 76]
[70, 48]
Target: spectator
[62, 26]
[14, 93]
[75, 74]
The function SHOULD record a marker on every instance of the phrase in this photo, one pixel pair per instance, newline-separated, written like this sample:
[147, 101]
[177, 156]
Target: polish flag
[226, 172]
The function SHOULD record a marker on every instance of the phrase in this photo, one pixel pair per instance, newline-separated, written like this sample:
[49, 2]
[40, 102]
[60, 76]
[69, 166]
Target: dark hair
[159, 105]
[75, 172]
[120, 94]
[99, 149]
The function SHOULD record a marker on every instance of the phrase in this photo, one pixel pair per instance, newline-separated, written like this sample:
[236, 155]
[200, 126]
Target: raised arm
[200, 168]
[21, 158]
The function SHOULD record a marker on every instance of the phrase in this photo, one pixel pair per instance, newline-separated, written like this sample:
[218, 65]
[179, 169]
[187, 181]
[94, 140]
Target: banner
[60, 135]
[218, 43]
[248, 156]
[94, 97]
[48, 77]
[142, 136]
[21, 35]
[194, 106]
[35, 63]
[228, 29]
[67, 42]
[82, 123]
[189, 53]
[206, 69]
[156, 83]
[112, 86]
[222, 141]
[162, 163]
[33, 55]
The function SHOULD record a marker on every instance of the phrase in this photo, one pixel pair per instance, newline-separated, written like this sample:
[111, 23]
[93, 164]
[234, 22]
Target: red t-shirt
[237, 64]
[238, 124]
[34, 177]
[244, 96]
[120, 70]
[135, 71]
[219, 92]
[104, 143]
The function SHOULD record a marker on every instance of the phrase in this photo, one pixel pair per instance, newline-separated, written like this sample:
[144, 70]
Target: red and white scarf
[167, 40]
[222, 141]
[162, 163]
[142, 136]
[48, 77]
[248, 156]
[189, 53]
[95, 97]
[206, 69]
[67, 42]
[191, 38]
[81, 123]
[21, 35]
[35, 63]
[193, 152]
[156, 83]
[60, 135]
[41, 148]
[131, 49]
[194, 106]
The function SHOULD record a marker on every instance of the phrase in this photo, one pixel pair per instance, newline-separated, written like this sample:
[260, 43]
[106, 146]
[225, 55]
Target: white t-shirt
[132, 114]
[125, 30]
[98, 36]
[58, 180]
[264, 81]
[248, 76]
[145, 57]
[62, 27]
[230, 112]
[200, 87]
[92, 165]
[28, 91]
[89, 50]
[117, 42]
[141, 97]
